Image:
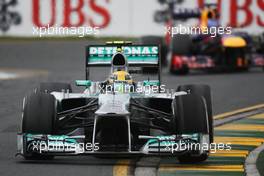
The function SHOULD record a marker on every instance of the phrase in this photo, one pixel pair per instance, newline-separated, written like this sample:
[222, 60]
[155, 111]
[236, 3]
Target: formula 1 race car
[119, 115]
[222, 53]
[199, 49]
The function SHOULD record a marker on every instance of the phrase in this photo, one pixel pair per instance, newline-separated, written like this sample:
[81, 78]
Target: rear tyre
[39, 114]
[48, 87]
[157, 40]
[181, 44]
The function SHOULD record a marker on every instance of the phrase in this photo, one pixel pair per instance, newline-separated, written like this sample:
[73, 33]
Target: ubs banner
[115, 17]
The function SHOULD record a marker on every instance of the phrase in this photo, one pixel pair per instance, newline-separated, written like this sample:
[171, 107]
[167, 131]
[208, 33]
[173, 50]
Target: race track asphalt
[63, 61]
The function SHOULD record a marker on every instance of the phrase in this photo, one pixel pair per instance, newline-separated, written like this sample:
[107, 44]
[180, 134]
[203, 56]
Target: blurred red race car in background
[226, 51]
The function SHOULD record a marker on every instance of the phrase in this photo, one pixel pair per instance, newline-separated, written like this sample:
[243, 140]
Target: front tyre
[203, 91]
[190, 117]
[38, 117]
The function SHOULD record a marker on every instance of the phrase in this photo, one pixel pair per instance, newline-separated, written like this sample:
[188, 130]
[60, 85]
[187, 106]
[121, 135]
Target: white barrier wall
[118, 17]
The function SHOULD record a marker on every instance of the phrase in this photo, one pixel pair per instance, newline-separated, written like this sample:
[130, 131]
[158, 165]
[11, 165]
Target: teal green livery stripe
[98, 59]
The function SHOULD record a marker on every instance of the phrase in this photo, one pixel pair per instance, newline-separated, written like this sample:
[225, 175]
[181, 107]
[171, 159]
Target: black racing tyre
[190, 114]
[157, 40]
[39, 114]
[181, 44]
[190, 117]
[205, 91]
[48, 87]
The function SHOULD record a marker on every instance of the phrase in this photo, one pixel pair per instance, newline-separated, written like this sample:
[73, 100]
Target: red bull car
[228, 51]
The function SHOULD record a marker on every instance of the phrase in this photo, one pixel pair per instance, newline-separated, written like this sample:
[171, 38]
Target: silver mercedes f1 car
[119, 115]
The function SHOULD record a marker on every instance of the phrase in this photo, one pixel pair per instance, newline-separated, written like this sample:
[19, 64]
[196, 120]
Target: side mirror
[86, 83]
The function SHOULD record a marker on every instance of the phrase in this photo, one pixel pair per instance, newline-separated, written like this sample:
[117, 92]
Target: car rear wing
[137, 55]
